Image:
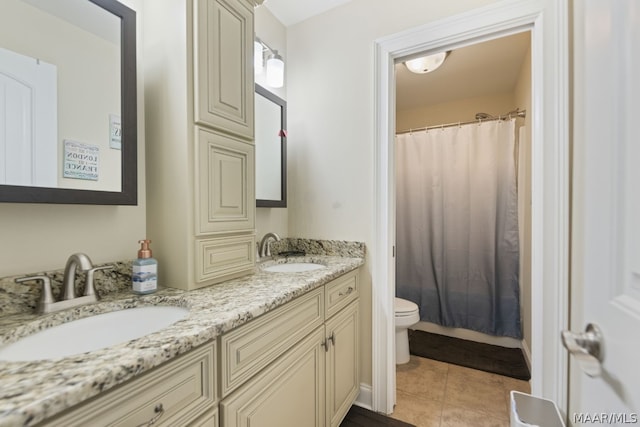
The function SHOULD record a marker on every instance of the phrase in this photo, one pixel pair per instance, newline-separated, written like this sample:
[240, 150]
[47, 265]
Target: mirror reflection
[271, 149]
[60, 96]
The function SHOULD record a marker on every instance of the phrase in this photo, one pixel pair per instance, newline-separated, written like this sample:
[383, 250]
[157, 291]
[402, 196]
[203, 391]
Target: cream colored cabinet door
[225, 184]
[289, 393]
[342, 358]
[223, 55]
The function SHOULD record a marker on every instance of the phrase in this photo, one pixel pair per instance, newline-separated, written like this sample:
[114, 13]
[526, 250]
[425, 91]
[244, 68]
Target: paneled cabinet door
[226, 184]
[223, 58]
[290, 393]
[343, 373]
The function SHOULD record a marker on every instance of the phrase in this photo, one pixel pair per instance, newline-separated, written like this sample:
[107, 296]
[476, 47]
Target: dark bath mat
[485, 357]
[360, 417]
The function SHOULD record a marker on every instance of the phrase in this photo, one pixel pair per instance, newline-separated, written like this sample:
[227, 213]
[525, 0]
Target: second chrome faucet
[263, 248]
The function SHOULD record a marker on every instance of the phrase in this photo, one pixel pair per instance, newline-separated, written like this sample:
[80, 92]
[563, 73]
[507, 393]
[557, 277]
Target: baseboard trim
[365, 398]
[527, 354]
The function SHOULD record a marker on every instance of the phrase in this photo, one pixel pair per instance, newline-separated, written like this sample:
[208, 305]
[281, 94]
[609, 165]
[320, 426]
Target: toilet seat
[403, 308]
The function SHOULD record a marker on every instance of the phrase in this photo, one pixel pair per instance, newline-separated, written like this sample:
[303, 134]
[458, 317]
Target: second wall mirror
[271, 149]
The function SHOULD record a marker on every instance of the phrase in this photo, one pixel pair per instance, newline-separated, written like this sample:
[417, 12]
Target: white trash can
[528, 411]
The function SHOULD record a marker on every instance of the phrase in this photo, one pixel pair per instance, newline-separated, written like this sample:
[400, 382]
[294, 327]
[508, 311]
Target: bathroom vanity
[257, 348]
[267, 349]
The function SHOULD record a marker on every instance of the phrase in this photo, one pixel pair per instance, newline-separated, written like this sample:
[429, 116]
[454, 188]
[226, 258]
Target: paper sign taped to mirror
[81, 161]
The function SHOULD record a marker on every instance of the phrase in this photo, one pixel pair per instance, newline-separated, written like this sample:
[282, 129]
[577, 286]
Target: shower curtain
[457, 226]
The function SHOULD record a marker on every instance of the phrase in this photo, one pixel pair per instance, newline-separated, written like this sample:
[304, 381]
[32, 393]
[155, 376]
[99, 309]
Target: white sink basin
[92, 333]
[293, 267]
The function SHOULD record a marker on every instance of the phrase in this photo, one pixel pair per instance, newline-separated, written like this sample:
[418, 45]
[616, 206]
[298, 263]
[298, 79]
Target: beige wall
[274, 34]
[37, 237]
[455, 111]
[330, 90]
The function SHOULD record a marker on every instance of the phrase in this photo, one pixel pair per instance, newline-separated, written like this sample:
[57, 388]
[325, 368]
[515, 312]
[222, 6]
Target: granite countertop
[33, 391]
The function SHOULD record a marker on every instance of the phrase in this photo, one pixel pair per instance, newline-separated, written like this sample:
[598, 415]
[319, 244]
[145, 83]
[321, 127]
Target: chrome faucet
[69, 280]
[47, 304]
[264, 250]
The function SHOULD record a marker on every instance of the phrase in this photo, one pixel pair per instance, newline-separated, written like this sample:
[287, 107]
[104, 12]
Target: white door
[606, 208]
[28, 121]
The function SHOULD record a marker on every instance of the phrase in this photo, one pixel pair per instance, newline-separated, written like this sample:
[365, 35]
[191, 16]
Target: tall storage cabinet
[200, 154]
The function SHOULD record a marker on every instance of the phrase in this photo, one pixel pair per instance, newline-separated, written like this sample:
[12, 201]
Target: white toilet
[407, 315]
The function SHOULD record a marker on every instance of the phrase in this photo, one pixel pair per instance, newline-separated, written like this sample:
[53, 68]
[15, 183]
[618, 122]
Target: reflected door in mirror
[28, 125]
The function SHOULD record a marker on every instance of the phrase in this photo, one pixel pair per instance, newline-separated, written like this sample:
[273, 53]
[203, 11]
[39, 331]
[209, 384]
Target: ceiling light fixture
[274, 63]
[426, 64]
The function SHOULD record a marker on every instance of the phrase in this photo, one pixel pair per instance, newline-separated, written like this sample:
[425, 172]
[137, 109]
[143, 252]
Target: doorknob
[586, 347]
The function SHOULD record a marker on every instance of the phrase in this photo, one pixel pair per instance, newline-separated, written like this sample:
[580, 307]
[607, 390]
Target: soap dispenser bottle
[145, 270]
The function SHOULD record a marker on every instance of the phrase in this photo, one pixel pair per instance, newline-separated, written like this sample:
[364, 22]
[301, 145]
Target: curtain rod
[515, 114]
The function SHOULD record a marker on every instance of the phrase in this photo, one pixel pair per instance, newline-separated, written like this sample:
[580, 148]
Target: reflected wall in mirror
[271, 149]
[68, 124]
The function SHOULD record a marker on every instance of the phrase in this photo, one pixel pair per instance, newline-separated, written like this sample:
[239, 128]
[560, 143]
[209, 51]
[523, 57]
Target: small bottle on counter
[145, 270]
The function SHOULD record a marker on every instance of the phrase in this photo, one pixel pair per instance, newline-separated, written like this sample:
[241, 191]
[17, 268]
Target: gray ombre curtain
[457, 226]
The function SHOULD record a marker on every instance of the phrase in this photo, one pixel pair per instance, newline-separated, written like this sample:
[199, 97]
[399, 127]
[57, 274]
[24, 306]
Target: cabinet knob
[332, 338]
[349, 290]
[159, 412]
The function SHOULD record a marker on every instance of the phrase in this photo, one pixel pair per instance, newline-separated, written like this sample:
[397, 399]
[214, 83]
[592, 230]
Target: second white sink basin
[293, 267]
[92, 333]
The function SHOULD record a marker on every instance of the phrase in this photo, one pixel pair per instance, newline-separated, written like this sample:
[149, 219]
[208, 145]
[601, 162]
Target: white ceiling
[290, 12]
[482, 69]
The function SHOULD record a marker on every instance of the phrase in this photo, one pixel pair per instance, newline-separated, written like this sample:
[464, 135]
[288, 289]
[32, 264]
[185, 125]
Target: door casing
[548, 22]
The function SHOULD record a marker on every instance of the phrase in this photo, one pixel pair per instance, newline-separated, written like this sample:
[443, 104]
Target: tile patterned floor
[436, 394]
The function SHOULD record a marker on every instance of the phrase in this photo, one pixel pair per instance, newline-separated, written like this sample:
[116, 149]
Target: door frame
[548, 21]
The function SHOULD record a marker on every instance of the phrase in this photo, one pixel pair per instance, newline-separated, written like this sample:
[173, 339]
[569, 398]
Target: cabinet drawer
[185, 389]
[340, 292]
[222, 258]
[251, 347]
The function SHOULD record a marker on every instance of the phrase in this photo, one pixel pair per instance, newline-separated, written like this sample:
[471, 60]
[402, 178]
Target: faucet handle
[46, 297]
[89, 288]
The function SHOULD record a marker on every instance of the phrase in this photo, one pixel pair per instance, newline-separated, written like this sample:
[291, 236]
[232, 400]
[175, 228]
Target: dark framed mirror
[271, 149]
[79, 146]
